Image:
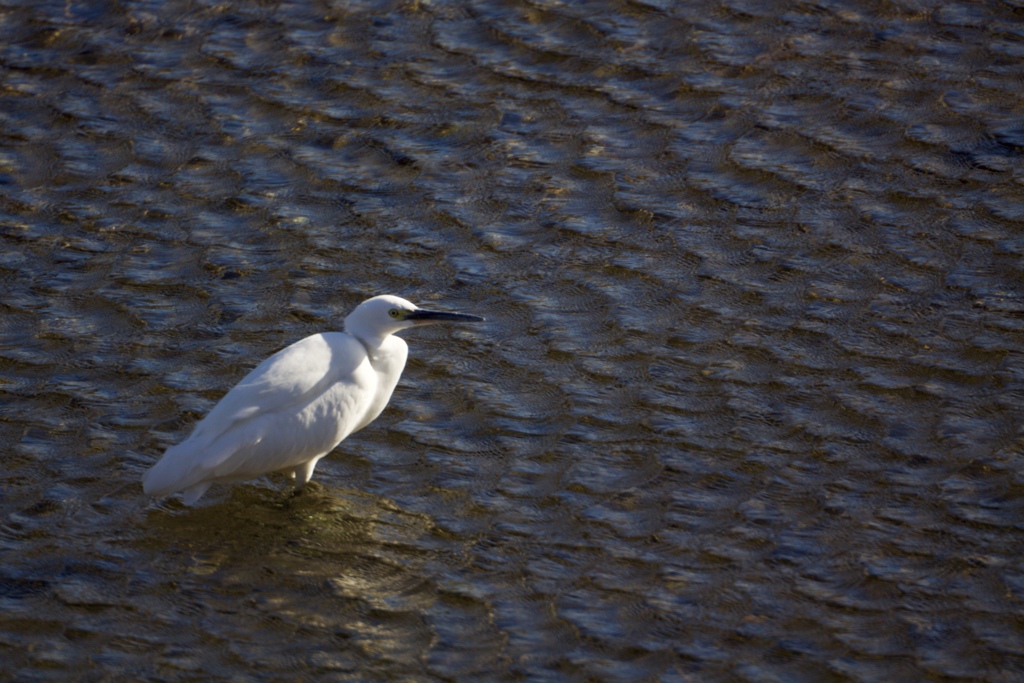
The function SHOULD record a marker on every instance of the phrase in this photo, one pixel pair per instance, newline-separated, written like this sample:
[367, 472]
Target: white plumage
[297, 405]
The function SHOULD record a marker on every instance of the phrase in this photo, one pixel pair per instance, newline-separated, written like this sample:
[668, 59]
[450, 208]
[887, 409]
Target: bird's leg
[303, 473]
[301, 476]
[193, 493]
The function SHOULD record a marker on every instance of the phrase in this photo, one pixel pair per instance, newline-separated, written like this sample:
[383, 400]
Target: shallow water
[747, 406]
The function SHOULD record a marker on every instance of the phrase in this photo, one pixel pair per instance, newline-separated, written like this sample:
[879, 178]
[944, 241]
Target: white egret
[297, 405]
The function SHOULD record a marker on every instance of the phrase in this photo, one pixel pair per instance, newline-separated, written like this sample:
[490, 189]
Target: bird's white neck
[370, 341]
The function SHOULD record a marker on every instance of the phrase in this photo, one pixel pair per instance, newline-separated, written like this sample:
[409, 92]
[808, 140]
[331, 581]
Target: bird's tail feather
[178, 469]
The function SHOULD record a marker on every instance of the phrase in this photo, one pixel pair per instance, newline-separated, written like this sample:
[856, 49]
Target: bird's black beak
[421, 317]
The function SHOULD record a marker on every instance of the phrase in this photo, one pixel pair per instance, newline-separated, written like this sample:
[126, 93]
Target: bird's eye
[394, 313]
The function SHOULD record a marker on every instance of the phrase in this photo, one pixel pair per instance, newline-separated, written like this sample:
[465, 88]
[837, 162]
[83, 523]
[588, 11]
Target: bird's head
[376, 318]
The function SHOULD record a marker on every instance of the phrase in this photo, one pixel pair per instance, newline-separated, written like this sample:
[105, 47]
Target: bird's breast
[387, 362]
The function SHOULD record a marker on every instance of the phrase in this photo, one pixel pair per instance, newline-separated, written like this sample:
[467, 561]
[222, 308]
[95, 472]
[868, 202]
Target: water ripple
[746, 406]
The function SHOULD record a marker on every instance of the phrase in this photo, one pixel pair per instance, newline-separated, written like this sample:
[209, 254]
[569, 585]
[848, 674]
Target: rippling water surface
[747, 406]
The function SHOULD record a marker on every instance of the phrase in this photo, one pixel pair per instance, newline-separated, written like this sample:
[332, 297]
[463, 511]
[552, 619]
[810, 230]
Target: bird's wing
[281, 386]
[288, 378]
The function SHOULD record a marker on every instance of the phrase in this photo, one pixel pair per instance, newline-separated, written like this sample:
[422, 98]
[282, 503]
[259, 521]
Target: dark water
[747, 408]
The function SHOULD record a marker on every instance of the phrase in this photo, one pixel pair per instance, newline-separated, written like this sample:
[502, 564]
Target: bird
[297, 405]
